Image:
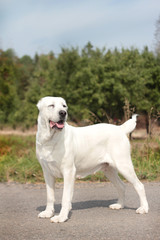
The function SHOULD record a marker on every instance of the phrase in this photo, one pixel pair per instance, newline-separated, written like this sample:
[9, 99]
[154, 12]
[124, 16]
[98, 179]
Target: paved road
[90, 218]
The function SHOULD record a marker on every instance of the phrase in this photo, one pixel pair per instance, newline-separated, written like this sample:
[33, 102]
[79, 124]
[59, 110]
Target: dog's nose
[62, 113]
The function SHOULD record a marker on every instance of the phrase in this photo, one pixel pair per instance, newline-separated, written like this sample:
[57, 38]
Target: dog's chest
[53, 168]
[51, 159]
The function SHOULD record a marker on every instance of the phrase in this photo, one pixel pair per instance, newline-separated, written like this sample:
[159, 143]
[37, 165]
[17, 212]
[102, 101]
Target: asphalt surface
[90, 217]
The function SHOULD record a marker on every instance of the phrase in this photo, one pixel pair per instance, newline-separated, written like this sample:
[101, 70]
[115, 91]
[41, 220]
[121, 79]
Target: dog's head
[54, 111]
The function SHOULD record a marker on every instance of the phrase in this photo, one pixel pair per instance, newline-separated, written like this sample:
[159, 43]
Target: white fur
[79, 151]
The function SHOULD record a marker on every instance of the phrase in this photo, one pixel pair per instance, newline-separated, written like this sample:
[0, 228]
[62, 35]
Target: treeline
[95, 82]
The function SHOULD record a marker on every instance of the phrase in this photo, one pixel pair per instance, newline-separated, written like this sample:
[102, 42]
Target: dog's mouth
[58, 125]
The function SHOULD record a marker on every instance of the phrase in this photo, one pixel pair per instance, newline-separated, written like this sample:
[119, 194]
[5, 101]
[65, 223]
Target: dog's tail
[129, 125]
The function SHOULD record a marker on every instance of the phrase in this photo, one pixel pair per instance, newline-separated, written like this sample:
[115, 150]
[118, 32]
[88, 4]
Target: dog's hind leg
[127, 170]
[112, 174]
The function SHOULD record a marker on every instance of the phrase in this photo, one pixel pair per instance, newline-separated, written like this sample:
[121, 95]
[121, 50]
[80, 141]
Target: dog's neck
[45, 133]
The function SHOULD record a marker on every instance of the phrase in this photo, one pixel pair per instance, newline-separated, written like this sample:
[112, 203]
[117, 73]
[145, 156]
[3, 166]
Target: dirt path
[137, 133]
[141, 133]
[10, 131]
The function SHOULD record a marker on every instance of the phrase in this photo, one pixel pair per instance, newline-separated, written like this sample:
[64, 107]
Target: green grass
[18, 160]
[146, 158]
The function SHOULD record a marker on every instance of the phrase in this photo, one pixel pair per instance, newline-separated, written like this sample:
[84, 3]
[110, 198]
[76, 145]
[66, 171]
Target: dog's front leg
[50, 185]
[69, 178]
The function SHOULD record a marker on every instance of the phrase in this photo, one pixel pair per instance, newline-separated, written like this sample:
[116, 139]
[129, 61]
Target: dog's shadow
[85, 205]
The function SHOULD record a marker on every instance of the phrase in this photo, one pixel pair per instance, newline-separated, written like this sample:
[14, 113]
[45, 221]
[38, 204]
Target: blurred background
[102, 56]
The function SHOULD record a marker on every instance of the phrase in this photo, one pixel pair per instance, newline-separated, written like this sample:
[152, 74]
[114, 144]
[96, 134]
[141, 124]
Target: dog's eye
[64, 106]
[52, 105]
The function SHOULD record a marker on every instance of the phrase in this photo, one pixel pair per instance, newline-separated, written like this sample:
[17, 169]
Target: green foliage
[93, 81]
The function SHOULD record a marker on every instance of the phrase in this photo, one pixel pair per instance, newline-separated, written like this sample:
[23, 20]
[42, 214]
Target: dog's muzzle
[60, 123]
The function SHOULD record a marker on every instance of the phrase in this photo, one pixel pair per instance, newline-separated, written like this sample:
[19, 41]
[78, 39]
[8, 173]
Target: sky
[41, 26]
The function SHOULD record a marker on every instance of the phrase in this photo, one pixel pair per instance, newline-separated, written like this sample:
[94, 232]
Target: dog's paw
[116, 206]
[59, 219]
[46, 214]
[142, 210]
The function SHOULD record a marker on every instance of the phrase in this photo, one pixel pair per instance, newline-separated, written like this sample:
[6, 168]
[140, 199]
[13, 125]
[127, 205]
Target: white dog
[67, 151]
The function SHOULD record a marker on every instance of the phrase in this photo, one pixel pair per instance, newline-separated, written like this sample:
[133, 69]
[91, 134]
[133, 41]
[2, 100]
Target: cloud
[31, 25]
[59, 21]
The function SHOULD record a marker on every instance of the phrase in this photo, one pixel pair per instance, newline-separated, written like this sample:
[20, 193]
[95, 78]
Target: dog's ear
[39, 104]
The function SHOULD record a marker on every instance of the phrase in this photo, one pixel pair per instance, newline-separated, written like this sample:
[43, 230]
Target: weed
[18, 160]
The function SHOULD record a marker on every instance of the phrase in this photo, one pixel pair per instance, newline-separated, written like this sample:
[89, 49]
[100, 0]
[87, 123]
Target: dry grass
[18, 161]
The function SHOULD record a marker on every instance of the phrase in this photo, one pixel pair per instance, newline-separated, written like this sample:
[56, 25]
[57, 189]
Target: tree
[25, 68]
[95, 82]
